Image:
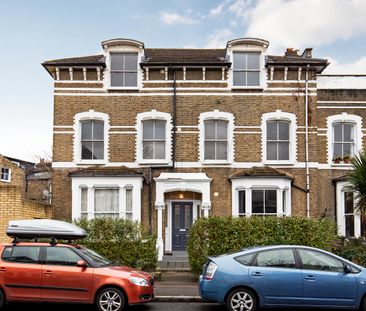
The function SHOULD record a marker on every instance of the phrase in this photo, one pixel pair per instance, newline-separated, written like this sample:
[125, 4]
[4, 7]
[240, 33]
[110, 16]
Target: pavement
[177, 287]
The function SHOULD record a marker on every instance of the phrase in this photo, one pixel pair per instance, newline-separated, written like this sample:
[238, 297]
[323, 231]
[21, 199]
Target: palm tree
[357, 180]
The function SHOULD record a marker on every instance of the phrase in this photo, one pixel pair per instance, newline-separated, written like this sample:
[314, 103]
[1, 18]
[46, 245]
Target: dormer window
[123, 69]
[246, 67]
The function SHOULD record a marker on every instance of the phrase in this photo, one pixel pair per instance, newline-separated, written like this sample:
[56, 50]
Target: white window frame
[341, 188]
[344, 118]
[9, 174]
[248, 184]
[122, 46]
[124, 70]
[93, 183]
[247, 46]
[217, 115]
[280, 116]
[154, 115]
[85, 116]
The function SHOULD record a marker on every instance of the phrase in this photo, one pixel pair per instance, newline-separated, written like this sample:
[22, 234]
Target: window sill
[155, 162]
[121, 88]
[341, 164]
[81, 162]
[258, 87]
[5, 180]
[279, 162]
[214, 162]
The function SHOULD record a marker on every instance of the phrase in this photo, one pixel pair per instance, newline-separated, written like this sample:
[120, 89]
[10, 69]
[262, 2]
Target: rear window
[21, 254]
[246, 259]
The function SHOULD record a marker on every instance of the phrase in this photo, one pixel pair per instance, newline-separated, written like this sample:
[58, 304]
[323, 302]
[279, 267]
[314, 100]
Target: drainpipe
[307, 143]
[174, 118]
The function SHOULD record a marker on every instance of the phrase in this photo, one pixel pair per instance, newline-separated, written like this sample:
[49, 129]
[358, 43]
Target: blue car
[283, 276]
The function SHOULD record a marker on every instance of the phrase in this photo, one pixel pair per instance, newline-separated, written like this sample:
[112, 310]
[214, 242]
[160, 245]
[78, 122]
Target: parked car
[283, 276]
[51, 272]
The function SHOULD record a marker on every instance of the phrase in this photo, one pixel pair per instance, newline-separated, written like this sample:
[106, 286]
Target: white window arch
[216, 138]
[279, 138]
[91, 133]
[153, 139]
[344, 133]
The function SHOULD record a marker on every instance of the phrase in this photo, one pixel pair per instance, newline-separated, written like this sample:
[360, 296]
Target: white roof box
[44, 228]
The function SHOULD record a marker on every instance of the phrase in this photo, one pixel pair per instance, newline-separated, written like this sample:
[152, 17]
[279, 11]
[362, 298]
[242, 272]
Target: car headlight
[138, 281]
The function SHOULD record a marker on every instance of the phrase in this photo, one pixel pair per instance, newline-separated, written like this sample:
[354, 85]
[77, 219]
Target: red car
[49, 272]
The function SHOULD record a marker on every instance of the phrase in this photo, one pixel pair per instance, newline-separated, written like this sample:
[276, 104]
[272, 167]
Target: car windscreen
[96, 259]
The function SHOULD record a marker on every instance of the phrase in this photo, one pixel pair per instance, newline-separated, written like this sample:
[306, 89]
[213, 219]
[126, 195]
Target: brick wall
[13, 206]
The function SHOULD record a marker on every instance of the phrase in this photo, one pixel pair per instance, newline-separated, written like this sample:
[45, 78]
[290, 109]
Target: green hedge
[122, 241]
[219, 235]
[351, 249]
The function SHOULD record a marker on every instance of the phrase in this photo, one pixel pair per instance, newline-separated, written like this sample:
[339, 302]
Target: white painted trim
[122, 132]
[80, 81]
[182, 81]
[216, 115]
[154, 115]
[122, 183]
[290, 81]
[246, 132]
[63, 132]
[341, 107]
[344, 117]
[341, 187]
[141, 94]
[248, 184]
[279, 115]
[80, 89]
[341, 102]
[90, 115]
[63, 126]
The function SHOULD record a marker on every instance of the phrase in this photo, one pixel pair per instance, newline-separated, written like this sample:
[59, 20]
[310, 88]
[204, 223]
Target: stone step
[174, 264]
[174, 259]
[176, 269]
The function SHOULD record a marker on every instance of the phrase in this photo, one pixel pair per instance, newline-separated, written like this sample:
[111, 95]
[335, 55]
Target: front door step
[177, 261]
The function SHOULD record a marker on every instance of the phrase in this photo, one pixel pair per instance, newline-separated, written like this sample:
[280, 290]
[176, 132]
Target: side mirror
[81, 264]
[347, 269]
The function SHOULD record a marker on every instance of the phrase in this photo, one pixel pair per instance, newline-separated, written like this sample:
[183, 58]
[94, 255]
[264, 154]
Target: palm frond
[357, 180]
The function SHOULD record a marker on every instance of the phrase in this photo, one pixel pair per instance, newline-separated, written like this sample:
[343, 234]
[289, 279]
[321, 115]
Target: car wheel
[2, 299]
[241, 299]
[110, 299]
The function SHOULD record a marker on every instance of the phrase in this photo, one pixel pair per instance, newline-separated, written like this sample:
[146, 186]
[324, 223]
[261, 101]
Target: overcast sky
[37, 30]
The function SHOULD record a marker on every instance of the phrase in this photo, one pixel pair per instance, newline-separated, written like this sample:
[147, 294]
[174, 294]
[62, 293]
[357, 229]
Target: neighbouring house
[165, 136]
[24, 194]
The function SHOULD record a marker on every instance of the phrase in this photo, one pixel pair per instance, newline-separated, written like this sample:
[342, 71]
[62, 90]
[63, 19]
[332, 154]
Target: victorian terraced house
[165, 136]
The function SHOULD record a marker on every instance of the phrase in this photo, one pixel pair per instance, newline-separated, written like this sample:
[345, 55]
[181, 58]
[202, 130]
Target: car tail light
[210, 270]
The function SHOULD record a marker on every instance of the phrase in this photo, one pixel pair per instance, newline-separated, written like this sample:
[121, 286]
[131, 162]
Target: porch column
[159, 206]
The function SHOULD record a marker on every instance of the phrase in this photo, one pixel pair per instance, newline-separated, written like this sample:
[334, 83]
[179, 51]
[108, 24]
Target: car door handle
[48, 272]
[2, 269]
[310, 278]
[257, 273]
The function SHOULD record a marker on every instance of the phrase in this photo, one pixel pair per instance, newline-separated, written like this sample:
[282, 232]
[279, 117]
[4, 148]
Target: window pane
[282, 258]
[245, 259]
[241, 202]
[348, 132]
[209, 150]
[177, 217]
[86, 151]
[318, 261]
[116, 79]
[86, 130]
[210, 129]
[271, 151]
[160, 150]
[253, 60]
[130, 78]
[337, 150]
[257, 201]
[98, 150]
[284, 130]
[106, 200]
[128, 200]
[350, 225]
[272, 130]
[239, 78]
[98, 130]
[347, 149]
[130, 62]
[271, 201]
[348, 203]
[61, 256]
[187, 217]
[252, 78]
[147, 150]
[160, 129]
[148, 129]
[283, 151]
[221, 151]
[221, 129]
[116, 61]
[337, 127]
[239, 61]
[23, 254]
[84, 200]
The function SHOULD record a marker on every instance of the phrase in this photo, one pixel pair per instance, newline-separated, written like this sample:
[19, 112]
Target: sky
[32, 31]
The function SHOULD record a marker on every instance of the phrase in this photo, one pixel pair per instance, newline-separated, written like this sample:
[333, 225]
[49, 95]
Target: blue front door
[182, 217]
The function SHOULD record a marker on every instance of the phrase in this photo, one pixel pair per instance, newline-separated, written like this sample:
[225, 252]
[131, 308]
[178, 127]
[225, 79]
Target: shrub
[219, 235]
[354, 250]
[121, 240]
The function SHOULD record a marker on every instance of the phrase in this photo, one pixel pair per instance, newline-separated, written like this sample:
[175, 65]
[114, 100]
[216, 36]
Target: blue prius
[283, 276]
